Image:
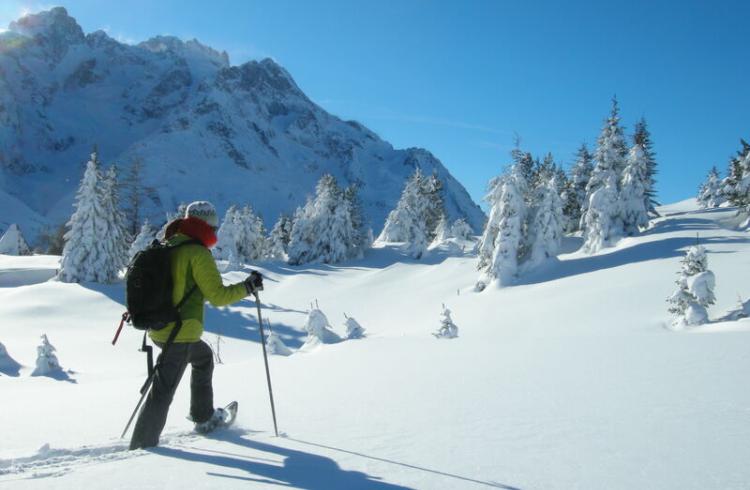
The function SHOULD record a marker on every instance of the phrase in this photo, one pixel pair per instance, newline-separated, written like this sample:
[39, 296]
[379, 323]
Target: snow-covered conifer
[353, 329]
[362, 232]
[251, 244]
[13, 243]
[414, 220]
[442, 231]
[324, 230]
[695, 290]
[117, 236]
[319, 331]
[145, 237]
[228, 237]
[503, 234]
[633, 199]
[461, 229]
[602, 226]
[448, 329]
[547, 224]
[46, 360]
[580, 174]
[642, 137]
[709, 194]
[278, 242]
[90, 252]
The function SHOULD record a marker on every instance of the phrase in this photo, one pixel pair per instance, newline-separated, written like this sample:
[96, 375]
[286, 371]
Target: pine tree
[461, 229]
[46, 360]
[740, 195]
[324, 230]
[251, 241]
[737, 168]
[145, 237]
[280, 236]
[408, 222]
[319, 331]
[547, 224]
[89, 253]
[709, 194]
[13, 243]
[580, 174]
[502, 240]
[361, 231]
[694, 293]
[117, 236]
[228, 238]
[611, 161]
[432, 190]
[633, 199]
[602, 226]
[642, 137]
[448, 329]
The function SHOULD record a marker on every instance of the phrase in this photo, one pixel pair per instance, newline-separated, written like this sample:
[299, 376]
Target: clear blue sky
[460, 77]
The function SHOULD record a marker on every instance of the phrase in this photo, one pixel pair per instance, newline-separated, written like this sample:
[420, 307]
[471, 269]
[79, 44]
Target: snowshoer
[191, 264]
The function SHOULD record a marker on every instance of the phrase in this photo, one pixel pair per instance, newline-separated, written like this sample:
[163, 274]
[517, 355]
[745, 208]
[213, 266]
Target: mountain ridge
[203, 128]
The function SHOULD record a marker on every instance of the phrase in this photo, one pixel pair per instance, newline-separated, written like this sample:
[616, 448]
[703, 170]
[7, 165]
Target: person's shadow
[298, 470]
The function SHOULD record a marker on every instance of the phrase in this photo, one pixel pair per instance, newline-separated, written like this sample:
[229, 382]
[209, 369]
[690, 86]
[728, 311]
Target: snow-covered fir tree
[740, 193]
[447, 329]
[319, 331]
[13, 243]
[503, 234]
[695, 290]
[46, 360]
[252, 243]
[633, 199]
[228, 237]
[324, 230]
[611, 160]
[461, 229]
[145, 237]
[414, 220]
[602, 226]
[642, 137]
[710, 194]
[93, 248]
[580, 174]
[739, 166]
[442, 231]
[278, 241]
[546, 226]
[117, 235]
[353, 329]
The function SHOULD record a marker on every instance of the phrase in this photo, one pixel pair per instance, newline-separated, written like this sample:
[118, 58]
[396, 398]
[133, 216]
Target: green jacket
[194, 264]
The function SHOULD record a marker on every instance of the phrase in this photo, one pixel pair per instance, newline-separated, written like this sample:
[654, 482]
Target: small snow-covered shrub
[695, 291]
[46, 360]
[318, 329]
[275, 346]
[353, 329]
[448, 329]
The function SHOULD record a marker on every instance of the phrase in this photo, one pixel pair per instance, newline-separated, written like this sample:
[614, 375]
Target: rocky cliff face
[202, 128]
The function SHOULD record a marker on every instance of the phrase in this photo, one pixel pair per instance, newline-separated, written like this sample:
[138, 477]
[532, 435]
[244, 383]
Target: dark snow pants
[153, 415]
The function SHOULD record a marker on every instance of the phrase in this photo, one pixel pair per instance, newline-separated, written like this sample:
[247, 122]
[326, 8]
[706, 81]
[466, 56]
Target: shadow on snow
[299, 469]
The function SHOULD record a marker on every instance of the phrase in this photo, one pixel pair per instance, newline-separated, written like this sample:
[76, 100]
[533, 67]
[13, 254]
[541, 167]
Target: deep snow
[569, 379]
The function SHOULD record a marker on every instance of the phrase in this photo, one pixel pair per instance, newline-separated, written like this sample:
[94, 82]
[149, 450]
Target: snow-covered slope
[204, 129]
[568, 380]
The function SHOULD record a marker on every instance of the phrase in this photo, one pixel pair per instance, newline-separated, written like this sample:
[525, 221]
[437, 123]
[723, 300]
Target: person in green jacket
[192, 265]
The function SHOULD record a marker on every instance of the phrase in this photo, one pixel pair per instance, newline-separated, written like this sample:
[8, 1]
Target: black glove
[254, 282]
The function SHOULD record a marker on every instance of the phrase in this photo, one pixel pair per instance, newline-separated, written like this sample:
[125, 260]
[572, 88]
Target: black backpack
[148, 287]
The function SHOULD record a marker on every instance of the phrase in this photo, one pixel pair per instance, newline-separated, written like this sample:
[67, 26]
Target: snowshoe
[222, 417]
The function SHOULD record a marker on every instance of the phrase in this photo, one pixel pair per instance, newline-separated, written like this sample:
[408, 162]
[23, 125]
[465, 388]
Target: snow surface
[568, 379]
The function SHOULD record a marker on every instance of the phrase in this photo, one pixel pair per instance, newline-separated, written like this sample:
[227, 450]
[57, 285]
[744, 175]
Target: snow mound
[319, 330]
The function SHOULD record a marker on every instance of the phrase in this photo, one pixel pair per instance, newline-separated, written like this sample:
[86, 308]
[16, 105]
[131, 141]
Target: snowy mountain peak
[187, 49]
[54, 26]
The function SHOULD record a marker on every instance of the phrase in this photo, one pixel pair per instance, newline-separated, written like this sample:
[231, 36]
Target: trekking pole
[144, 391]
[265, 359]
